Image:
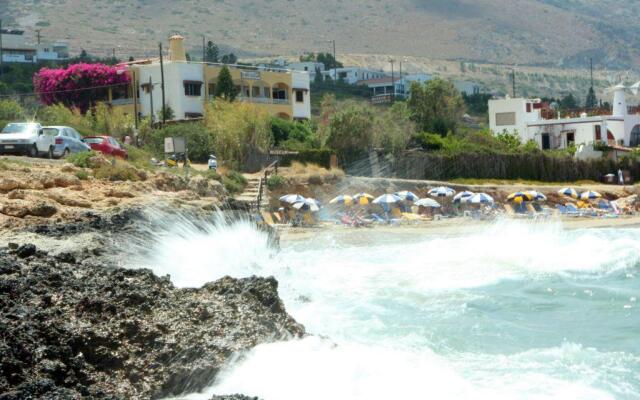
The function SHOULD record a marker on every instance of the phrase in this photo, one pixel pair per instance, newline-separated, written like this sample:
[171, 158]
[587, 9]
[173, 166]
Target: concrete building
[530, 119]
[352, 75]
[308, 66]
[188, 86]
[16, 49]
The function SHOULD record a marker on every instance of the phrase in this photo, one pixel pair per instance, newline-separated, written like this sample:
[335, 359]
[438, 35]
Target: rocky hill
[533, 32]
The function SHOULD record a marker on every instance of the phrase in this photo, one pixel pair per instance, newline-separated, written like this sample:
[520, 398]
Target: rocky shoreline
[76, 326]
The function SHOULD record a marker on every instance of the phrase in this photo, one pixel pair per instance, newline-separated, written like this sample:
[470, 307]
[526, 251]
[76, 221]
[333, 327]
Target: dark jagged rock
[234, 397]
[26, 250]
[74, 331]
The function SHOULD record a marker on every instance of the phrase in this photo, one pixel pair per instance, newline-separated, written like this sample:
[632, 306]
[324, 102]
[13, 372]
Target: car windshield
[51, 131]
[95, 140]
[20, 128]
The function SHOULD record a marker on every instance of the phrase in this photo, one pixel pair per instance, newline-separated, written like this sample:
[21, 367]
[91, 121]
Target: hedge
[534, 166]
[321, 157]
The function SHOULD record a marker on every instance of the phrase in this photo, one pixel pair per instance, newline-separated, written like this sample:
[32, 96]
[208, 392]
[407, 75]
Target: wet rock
[234, 397]
[87, 330]
[26, 250]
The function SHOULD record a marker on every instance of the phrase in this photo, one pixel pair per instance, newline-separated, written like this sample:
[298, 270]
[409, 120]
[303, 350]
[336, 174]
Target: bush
[82, 175]
[234, 182]
[82, 160]
[121, 171]
[141, 158]
[275, 181]
[199, 140]
[321, 157]
[10, 111]
[429, 141]
[292, 135]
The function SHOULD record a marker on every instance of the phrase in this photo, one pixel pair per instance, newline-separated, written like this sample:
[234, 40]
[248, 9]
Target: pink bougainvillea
[79, 85]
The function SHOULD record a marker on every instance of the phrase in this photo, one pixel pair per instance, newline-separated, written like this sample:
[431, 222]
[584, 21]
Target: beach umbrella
[387, 199]
[363, 199]
[537, 196]
[462, 196]
[307, 205]
[590, 195]
[442, 191]
[342, 199]
[407, 196]
[480, 198]
[429, 203]
[568, 192]
[519, 197]
[291, 198]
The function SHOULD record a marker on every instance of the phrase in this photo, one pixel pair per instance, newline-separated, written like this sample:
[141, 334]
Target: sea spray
[507, 310]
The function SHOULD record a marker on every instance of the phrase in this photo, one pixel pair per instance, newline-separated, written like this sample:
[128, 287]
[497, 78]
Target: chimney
[619, 102]
[176, 48]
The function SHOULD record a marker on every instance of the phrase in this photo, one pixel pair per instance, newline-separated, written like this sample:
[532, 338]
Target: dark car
[107, 145]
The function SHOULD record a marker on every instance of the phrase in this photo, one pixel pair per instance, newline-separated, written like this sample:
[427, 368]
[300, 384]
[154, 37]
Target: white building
[308, 66]
[16, 49]
[524, 117]
[352, 75]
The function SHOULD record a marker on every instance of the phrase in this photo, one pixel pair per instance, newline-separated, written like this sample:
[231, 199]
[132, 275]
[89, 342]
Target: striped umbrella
[407, 196]
[429, 203]
[519, 197]
[342, 199]
[363, 199]
[590, 195]
[537, 196]
[307, 205]
[480, 198]
[291, 198]
[462, 196]
[442, 191]
[387, 199]
[568, 192]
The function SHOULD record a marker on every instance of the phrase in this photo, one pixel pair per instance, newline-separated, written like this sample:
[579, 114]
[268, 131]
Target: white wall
[301, 80]
[516, 106]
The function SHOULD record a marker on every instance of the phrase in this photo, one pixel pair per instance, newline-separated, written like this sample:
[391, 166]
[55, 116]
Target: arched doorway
[634, 140]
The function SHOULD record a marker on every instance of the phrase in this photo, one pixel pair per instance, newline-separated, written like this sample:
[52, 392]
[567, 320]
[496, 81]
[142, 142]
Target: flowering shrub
[79, 85]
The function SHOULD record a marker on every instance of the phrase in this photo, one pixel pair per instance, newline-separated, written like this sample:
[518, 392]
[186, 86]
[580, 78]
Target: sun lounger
[266, 217]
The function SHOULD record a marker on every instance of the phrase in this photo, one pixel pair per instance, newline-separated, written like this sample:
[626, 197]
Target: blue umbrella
[480, 198]
[590, 195]
[311, 205]
[387, 199]
[442, 191]
[462, 196]
[407, 196]
[429, 203]
[537, 196]
[291, 198]
[568, 192]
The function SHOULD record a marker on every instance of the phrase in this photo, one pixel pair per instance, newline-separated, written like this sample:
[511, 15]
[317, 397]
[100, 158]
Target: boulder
[22, 208]
[206, 187]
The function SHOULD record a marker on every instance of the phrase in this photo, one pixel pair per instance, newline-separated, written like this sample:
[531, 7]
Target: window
[145, 87]
[504, 119]
[192, 88]
[299, 96]
[598, 132]
[528, 107]
[635, 136]
[571, 138]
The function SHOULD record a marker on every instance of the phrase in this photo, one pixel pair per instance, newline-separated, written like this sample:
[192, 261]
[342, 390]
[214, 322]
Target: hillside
[532, 32]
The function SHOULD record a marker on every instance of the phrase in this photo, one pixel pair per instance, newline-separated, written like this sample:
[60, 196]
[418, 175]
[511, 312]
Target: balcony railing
[262, 100]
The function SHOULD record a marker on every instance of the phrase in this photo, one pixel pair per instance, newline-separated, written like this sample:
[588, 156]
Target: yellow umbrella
[363, 199]
[343, 199]
[519, 197]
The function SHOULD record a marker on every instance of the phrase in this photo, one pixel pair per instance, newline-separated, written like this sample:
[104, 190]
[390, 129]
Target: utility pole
[113, 54]
[513, 81]
[335, 62]
[134, 88]
[204, 51]
[151, 100]
[1, 54]
[393, 83]
[401, 81]
[164, 111]
[38, 35]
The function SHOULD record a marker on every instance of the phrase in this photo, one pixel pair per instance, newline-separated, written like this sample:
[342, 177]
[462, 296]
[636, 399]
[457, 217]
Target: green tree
[10, 111]
[212, 52]
[351, 127]
[317, 79]
[168, 114]
[328, 60]
[229, 59]
[393, 129]
[225, 87]
[568, 102]
[436, 106]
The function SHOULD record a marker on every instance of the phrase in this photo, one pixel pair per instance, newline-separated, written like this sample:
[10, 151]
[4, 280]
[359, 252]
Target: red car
[106, 145]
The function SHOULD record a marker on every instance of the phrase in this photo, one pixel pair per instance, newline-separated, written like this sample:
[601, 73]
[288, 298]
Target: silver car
[67, 140]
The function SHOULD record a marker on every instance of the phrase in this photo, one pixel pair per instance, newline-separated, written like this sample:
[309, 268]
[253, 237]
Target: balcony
[262, 100]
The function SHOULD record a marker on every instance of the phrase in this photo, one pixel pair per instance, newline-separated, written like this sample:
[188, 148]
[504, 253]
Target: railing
[262, 100]
[280, 101]
[263, 182]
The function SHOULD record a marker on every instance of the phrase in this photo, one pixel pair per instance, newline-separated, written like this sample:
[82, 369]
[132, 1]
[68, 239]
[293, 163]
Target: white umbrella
[387, 199]
[480, 198]
[462, 196]
[568, 192]
[407, 196]
[291, 198]
[429, 203]
[442, 191]
[307, 205]
[537, 196]
[590, 195]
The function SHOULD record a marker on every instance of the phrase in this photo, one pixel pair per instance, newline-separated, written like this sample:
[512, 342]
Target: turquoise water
[513, 310]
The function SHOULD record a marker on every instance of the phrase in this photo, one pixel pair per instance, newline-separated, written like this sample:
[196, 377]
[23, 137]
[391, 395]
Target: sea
[508, 310]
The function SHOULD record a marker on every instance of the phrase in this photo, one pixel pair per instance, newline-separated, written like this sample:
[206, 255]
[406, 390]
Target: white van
[26, 138]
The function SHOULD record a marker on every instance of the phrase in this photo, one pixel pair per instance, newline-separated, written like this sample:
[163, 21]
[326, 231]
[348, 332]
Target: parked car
[26, 138]
[67, 140]
[106, 145]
